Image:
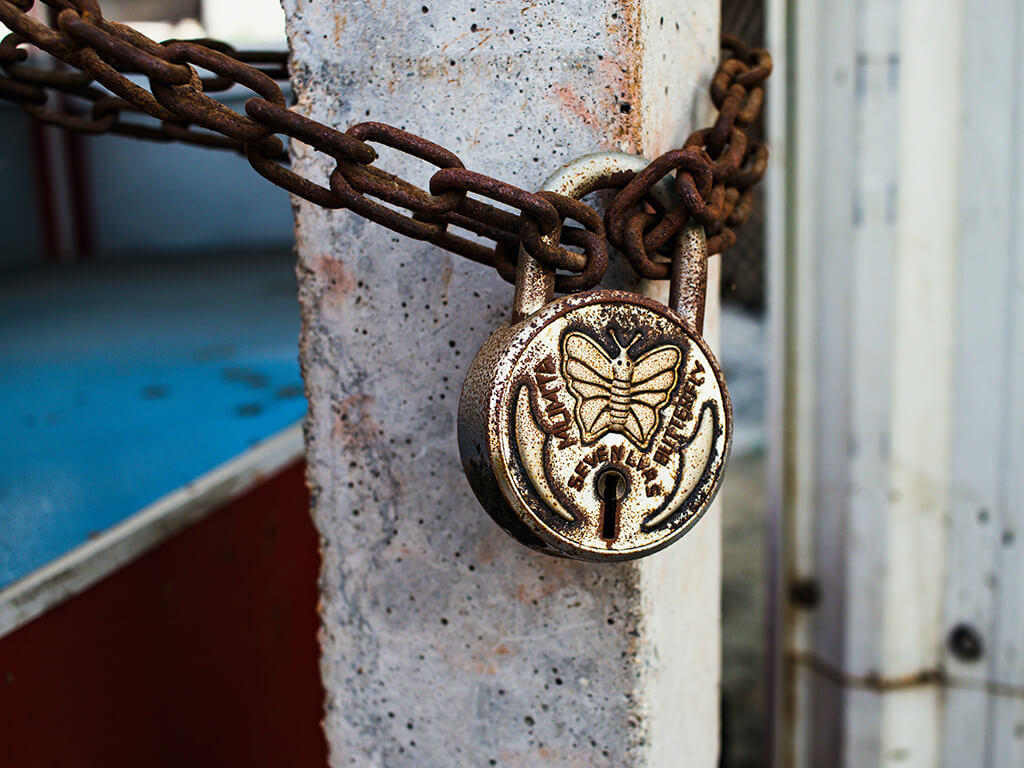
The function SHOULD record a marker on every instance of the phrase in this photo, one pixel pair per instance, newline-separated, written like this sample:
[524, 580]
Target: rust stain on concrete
[547, 584]
[339, 280]
[575, 105]
[340, 21]
[353, 422]
[622, 74]
[482, 668]
[489, 548]
[630, 62]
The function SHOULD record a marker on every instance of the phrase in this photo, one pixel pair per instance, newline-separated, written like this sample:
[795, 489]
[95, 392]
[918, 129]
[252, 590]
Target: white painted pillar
[444, 641]
[901, 381]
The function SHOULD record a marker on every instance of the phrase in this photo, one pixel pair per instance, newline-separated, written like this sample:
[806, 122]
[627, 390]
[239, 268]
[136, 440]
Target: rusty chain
[715, 170]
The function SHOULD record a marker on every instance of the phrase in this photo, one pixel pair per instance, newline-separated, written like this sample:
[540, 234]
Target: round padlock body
[598, 428]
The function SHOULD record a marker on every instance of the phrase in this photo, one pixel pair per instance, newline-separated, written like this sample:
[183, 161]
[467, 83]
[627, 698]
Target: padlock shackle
[688, 284]
[535, 283]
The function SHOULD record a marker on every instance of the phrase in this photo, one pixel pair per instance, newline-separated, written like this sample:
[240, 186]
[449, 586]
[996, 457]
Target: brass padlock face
[598, 428]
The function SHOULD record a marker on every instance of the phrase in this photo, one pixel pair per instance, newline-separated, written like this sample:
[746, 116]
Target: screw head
[965, 643]
[805, 592]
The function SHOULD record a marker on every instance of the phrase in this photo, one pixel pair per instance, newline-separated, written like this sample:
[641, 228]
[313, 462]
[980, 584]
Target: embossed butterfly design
[618, 394]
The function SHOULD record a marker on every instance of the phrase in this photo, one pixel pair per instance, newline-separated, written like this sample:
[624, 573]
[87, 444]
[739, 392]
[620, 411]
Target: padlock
[597, 426]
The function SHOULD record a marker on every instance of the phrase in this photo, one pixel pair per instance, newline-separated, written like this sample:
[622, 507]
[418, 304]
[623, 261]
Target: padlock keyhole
[611, 488]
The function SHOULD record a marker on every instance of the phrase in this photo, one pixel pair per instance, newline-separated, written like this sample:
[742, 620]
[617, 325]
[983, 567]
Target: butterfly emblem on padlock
[617, 393]
[597, 426]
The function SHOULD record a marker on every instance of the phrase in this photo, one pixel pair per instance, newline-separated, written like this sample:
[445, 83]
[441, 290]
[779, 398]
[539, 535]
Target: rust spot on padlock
[598, 427]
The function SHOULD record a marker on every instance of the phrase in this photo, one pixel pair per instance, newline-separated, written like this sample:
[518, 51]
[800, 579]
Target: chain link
[714, 171]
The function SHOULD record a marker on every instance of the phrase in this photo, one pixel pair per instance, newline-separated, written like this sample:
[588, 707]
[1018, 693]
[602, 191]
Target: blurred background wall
[898, 397]
[70, 198]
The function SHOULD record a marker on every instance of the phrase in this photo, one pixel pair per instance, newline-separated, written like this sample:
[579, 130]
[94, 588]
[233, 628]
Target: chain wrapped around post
[715, 170]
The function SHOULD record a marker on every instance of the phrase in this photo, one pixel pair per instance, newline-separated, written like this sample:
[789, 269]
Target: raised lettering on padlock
[598, 425]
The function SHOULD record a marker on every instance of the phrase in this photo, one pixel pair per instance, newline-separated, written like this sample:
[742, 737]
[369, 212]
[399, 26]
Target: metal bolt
[805, 593]
[965, 643]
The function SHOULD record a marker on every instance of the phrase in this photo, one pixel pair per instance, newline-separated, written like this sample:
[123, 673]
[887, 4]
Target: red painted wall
[201, 653]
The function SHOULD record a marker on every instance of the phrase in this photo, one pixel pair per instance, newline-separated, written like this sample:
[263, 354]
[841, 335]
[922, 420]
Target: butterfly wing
[588, 374]
[654, 377]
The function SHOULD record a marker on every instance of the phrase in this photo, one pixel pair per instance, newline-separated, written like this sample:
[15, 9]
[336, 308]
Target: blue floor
[120, 383]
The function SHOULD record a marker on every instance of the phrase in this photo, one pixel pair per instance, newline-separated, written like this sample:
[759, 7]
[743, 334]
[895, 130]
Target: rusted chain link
[714, 171]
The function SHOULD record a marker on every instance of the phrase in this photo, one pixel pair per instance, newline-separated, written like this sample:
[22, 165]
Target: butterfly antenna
[615, 338]
[624, 347]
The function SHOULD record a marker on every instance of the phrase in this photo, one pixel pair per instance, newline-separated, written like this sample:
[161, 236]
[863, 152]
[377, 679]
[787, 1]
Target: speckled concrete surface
[445, 643]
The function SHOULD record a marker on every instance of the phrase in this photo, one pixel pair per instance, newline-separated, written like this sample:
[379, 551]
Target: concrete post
[444, 641]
